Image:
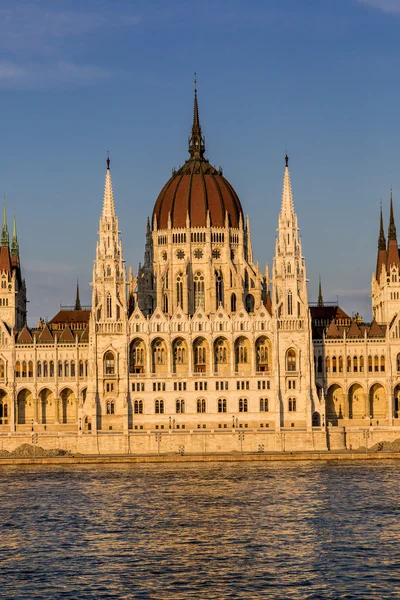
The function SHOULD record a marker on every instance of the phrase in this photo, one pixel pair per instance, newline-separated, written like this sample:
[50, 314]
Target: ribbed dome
[195, 189]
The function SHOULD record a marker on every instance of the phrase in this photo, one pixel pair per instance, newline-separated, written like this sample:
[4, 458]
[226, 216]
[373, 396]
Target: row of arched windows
[47, 368]
[353, 364]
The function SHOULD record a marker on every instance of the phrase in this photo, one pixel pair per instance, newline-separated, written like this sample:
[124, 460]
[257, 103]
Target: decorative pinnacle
[5, 240]
[392, 226]
[320, 298]
[381, 239]
[287, 160]
[14, 243]
[108, 202]
[196, 142]
[108, 160]
[77, 301]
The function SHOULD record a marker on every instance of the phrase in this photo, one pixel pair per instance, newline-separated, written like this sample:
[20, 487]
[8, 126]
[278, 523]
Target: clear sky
[316, 78]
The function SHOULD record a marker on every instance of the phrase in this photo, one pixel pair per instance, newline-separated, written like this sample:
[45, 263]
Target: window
[179, 353]
[24, 371]
[72, 368]
[263, 404]
[355, 364]
[138, 407]
[376, 364]
[290, 303]
[334, 364]
[198, 290]
[159, 407]
[201, 405]
[38, 369]
[327, 364]
[292, 404]
[319, 364]
[398, 362]
[349, 364]
[291, 384]
[60, 368]
[86, 368]
[18, 369]
[66, 369]
[233, 303]
[340, 364]
[291, 360]
[243, 405]
[222, 405]
[51, 369]
[110, 407]
[109, 363]
[158, 353]
[180, 406]
[382, 363]
[109, 306]
[179, 290]
[221, 352]
[2, 369]
[219, 289]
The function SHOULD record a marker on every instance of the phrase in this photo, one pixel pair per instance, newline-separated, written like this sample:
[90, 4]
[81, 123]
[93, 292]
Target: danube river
[270, 530]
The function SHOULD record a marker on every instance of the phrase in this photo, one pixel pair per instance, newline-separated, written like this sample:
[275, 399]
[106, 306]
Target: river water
[270, 530]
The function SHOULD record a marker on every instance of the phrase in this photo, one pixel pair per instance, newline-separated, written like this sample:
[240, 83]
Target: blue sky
[316, 78]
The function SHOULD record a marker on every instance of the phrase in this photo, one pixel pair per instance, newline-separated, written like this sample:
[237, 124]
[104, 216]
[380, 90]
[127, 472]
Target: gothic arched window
[179, 291]
[233, 302]
[290, 303]
[222, 405]
[180, 406]
[291, 360]
[198, 289]
[109, 363]
[109, 306]
[219, 289]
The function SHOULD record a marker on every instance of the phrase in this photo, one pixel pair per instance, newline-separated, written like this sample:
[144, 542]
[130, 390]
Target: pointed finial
[381, 239]
[196, 141]
[287, 160]
[392, 226]
[77, 300]
[14, 243]
[108, 200]
[5, 240]
[320, 298]
[108, 160]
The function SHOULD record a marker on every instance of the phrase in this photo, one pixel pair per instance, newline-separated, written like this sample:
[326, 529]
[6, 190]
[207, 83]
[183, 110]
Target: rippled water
[280, 530]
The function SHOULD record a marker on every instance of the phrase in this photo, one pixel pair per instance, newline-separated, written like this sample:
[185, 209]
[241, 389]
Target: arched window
[222, 405]
[81, 368]
[319, 363]
[250, 303]
[243, 405]
[24, 371]
[221, 354]
[355, 364]
[361, 363]
[263, 404]
[340, 364]
[60, 368]
[109, 362]
[158, 353]
[179, 291]
[39, 368]
[382, 363]
[198, 290]
[51, 368]
[165, 303]
[201, 405]
[233, 302]
[327, 364]
[180, 406]
[376, 364]
[334, 364]
[86, 368]
[66, 369]
[109, 306]
[348, 364]
[18, 369]
[398, 362]
[2, 369]
[138, 407]
[159, 407]
[219, 289]
[72, 368]
[290, 303]
[291, 360]
[292, 405]
[110, 407]
[45, 369]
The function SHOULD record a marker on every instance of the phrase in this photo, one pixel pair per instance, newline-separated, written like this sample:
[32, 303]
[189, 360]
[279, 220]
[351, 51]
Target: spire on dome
[320, 298]
[108, 202]
[382, 256]
[197, 145]
[14, 243]
[78, 305]
[5, 240]
[287, 197]
[392, 249]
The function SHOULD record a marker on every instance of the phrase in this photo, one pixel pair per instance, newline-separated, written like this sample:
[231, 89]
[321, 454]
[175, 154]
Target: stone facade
[200, 345]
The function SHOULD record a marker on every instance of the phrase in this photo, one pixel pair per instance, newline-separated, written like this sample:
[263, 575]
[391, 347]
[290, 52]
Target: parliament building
[199, 339]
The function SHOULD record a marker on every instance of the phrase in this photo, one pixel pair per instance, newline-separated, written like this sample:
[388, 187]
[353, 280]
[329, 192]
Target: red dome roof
[197, 188]
[192, 191]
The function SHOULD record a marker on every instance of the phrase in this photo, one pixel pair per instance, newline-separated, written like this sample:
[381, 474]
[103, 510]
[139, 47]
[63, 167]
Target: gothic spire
[77, 301]
[14, 243]
[287, 197]
[5, 240]
[196, 142]
[392, 249]
[381, 258]
[320, 298]
[108, 202]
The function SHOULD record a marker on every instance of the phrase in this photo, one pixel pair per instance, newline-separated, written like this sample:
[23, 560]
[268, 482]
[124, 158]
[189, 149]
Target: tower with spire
[386, 279]
[109, 311]
[12, 285]
[297, 395]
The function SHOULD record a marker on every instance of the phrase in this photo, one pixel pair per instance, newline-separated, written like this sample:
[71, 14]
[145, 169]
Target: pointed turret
[287, 197]
[382, 256]
[197, 145]
[14, 243]
[5, 240]
[108, 203]
[78, 305]
[320, 298]
[392, 248]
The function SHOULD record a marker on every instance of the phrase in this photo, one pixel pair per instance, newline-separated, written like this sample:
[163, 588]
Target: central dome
[197, 189]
